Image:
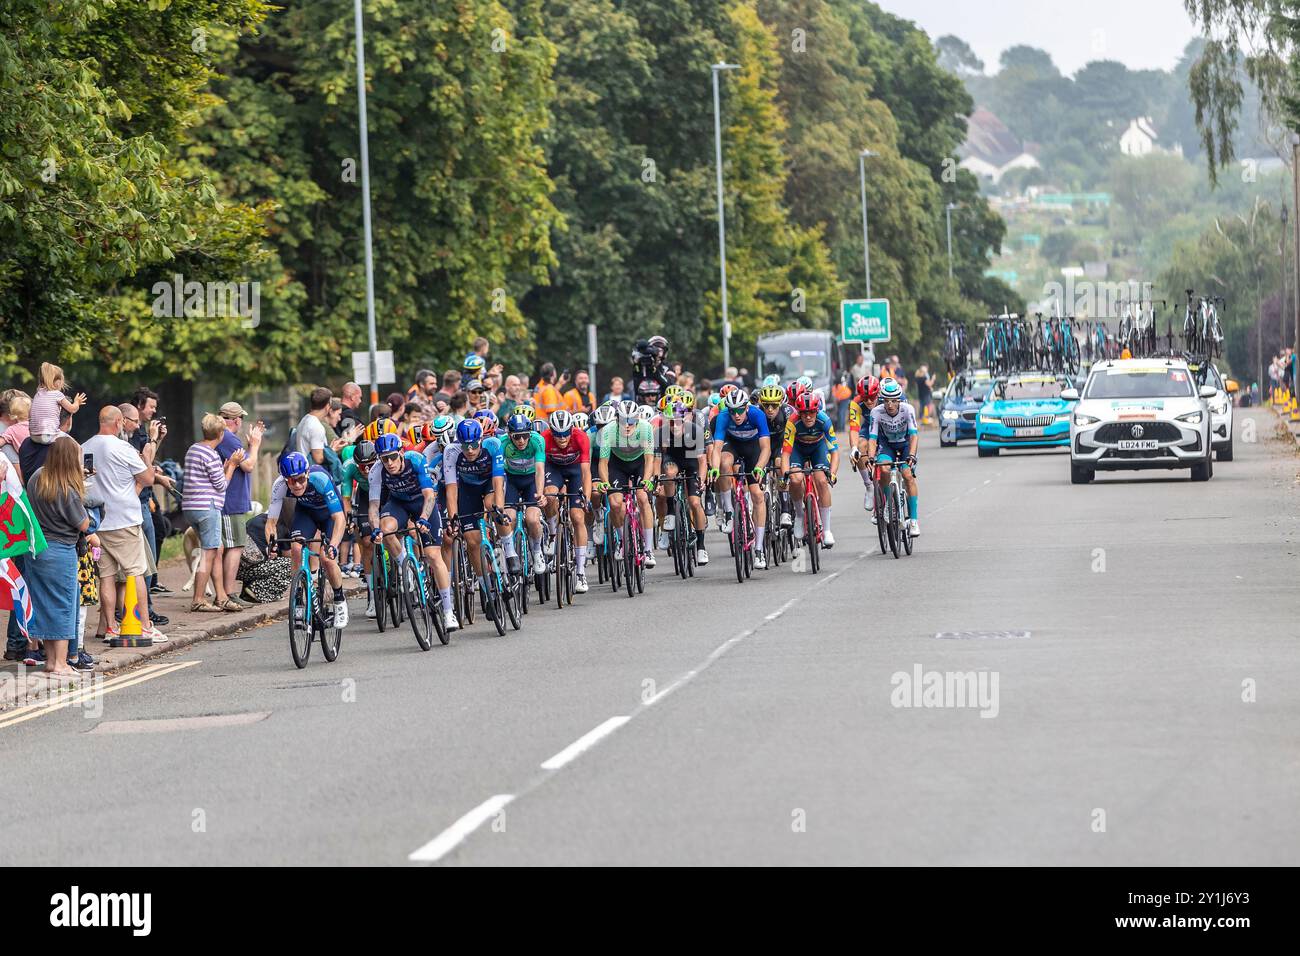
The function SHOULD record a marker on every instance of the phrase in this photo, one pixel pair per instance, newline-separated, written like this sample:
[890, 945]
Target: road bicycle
[814, 533]
[565, 562]
[891, 509]
[630, 541]
[464, 582]
[741, 538]
[681, 540]
[419, 592]
[383, 588]
[609, 568]
[496, 596]
[956, 351]
[774, 540]
[310, 617]
[527, 573]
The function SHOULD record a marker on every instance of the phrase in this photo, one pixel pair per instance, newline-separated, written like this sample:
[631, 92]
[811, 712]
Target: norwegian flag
[14, 594]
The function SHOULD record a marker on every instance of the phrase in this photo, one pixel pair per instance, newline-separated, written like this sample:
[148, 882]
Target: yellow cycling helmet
[771, 395]
[527, 411]
[687, 398]
[380, 426]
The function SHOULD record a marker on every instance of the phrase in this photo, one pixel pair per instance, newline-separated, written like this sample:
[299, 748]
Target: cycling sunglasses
[391, 456]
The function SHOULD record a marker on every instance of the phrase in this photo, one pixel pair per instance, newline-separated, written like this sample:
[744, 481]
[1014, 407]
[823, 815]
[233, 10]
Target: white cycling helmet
[890, 389]
[561, 423]
[580, 421]
[646, 413]
[604, 415]
[737, 400]
[627, 411]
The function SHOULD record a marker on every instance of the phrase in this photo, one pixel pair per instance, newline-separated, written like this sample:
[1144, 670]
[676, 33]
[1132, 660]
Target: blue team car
[1024, 410]
[960, 405]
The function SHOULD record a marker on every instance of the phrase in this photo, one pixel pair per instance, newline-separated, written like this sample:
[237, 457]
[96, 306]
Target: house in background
[991, 150]
[1141, 139]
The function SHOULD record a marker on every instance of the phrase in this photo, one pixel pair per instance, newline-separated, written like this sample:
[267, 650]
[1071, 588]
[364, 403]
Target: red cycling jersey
[575, 453]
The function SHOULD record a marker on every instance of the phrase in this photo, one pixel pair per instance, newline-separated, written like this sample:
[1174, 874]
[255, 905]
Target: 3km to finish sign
[864, 320]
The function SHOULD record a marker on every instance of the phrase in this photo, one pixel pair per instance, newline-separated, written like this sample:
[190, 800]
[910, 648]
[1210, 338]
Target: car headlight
[1062, 418]
[1084, 420]
[990, 420]
[1219, 408]
[951, 416]
[1191, 418]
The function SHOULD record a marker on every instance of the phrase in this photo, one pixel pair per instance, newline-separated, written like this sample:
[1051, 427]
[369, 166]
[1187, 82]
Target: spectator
[578, 397]
[379, 410]
[513, 396]
[145, 401]
[47, 403]
[206, 481]
[414, 414]
[120, 473]
[425, 387]
[31, 455]
[841, 393]
[458, 407]
[237, 507]
[57, 492]
[492, 382]
[859, 370]
[309, 435]
[703, 392]
[450, 385]
[475, 395]
[481, 349]
[686, 380]
[547, 396]
[16, 429]
[615, 393]
[925, 393]
[351, 398]
[396, 402]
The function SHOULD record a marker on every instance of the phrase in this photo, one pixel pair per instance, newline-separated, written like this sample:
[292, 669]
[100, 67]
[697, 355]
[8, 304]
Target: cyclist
[356, 505]
[810, 443]
[568, 471]
[602, 416]
[626, 444]
[439, 434]
[892, 438]
[404, 495]
[868, 395]
[679, 450]
[525, 460]
[771, 399]
[741, 440]
[474, 472]
[317, 512]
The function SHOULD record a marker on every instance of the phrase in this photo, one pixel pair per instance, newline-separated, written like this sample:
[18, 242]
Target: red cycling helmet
[808, 401]
[868, 389]
[794, 390]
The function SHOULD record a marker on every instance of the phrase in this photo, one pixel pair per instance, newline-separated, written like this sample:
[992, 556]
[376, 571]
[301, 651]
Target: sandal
[205, 607]
[233, 605]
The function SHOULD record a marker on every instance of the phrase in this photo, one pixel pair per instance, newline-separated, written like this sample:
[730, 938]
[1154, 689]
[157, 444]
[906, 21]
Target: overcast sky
[1141, 34]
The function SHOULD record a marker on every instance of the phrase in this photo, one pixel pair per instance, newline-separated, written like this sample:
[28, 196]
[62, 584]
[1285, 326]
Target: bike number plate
[1029, 432]
[1147, 444]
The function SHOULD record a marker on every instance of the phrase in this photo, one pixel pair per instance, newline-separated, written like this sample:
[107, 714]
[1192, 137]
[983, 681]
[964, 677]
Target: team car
[1024, 410]
[960, 405]
[1220, 407]
[1141, 413]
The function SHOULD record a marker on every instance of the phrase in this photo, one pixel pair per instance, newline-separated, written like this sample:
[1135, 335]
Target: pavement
[1133, 676]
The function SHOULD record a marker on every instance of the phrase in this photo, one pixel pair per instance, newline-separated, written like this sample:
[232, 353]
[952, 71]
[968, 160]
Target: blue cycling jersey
[753, 426]
[407, 485]
[490, 463]
[319, 495]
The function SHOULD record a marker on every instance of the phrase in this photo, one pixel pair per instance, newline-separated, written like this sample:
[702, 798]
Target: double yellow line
[95, 688]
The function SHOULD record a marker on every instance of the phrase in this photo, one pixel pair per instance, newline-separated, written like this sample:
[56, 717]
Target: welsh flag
[20, 533]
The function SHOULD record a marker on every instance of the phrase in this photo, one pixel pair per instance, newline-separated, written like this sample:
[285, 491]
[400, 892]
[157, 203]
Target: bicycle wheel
[467, 587]
[882, 518]
[434, 602]
[510, 600]
[299, 620]
[525, 582]
[813, 532]
[906, 528]
[417, 610]
[675, 542]
[738, 539]
[630, 535]
[894, 532]
[377, 596]
[493, 597]
[330, 637]
[561, 563]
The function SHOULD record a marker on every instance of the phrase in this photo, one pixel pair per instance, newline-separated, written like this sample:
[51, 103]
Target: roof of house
[988, 138]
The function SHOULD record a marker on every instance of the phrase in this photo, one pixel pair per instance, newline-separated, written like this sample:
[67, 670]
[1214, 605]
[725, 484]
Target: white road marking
[455, 835]
[90, 691]
[166, 724]
[585, 742]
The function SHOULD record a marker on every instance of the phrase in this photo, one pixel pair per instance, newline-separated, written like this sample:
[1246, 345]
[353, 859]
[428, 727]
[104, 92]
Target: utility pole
[722, 228]
[365, 208]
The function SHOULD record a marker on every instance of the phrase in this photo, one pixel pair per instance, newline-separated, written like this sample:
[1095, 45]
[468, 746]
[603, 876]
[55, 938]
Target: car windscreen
[1016, 390]
[978, 391]
[790, 363]
[1140, 382]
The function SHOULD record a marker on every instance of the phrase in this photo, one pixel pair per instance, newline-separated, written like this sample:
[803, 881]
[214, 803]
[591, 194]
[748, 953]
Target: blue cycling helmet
[387, 445]
[469, 431]
[473, 364]
[890, 389]
[519, 425]
[294, 464]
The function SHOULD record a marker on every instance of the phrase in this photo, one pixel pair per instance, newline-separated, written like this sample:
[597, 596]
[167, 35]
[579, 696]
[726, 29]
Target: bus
[817, 353]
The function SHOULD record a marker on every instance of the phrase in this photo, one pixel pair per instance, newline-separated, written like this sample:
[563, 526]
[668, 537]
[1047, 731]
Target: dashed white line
[585, 742]
[455, 835]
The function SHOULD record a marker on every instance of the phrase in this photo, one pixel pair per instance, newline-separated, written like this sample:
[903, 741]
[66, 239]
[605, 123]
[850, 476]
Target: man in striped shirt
[206, 479]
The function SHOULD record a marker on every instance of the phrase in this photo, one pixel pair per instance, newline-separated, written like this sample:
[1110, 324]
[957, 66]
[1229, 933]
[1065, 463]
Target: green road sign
[864, 320]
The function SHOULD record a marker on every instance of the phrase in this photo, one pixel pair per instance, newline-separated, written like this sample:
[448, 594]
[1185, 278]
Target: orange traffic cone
[132, 633]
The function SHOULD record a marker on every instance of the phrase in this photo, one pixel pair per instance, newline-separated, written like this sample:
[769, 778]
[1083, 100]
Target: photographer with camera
[649, 376]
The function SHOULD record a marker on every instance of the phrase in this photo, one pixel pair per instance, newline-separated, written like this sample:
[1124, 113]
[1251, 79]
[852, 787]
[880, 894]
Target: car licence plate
[1147, 444]
[1028, 432]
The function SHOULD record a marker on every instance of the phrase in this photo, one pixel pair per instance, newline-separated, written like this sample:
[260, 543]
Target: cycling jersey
[753, 426]
[407, 485]
[858, 415]
[681, 442]
[776, 426]
[821, 431]
[633, 447]
[355, 479]
[490, 463]
[575, 453]
[319, 495]
[894, 429]
[523, 461]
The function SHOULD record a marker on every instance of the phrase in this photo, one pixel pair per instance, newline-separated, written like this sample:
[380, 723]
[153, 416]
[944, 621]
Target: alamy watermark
[946, 689]
[179, 299]
[1095, 299]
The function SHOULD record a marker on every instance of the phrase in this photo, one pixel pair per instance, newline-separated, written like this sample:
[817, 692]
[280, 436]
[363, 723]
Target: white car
[1141, 413]
[1220, 410]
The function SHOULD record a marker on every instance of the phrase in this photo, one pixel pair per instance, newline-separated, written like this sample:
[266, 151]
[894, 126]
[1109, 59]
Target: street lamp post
[1295, 278]
[365, 208]
[722, 227]
[948, 212]
[866, 244]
